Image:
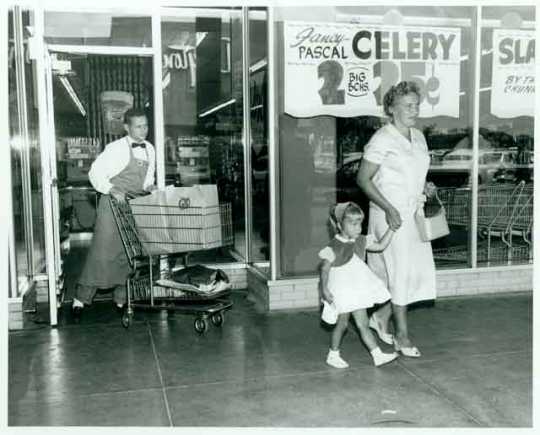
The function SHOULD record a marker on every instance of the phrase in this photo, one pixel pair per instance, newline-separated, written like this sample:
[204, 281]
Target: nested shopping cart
[150, 284]
[504, 211]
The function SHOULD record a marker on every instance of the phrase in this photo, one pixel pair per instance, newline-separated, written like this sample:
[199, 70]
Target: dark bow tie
[138, 144]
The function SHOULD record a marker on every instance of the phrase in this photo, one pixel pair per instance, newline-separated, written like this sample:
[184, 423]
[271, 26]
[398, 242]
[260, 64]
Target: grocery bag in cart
[178, 219]
[197, 279]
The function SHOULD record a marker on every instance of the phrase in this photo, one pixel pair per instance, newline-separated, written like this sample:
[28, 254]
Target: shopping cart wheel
[200, 325]
[218, 319]
[126, 320]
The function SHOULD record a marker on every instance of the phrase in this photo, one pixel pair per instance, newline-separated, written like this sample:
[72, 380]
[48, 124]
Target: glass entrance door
[86, 88]
[258, 113]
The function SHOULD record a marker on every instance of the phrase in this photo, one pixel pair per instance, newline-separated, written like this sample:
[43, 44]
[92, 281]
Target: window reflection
[505, 162]
[202, 101]
[258, 83]
[77, 28]
[328, 150]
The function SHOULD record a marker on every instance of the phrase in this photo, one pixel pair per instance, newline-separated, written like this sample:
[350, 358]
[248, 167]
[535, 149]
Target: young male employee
[125, 167]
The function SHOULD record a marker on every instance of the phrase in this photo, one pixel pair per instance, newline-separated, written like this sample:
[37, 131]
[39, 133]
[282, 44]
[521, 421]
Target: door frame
[48, 140]
[51, 144]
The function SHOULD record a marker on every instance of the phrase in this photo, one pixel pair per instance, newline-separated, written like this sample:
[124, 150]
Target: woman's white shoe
[385, 337]
[411, 352]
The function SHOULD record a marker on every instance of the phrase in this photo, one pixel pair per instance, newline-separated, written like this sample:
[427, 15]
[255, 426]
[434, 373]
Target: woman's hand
[393, 218]
[430, 189]
[150, 188]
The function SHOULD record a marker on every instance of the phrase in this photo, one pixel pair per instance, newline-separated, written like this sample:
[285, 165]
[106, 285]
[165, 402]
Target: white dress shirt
[114, 158]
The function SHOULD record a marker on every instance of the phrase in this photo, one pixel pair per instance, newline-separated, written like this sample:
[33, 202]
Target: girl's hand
[430, 189]
[327, 296]
[393, 218]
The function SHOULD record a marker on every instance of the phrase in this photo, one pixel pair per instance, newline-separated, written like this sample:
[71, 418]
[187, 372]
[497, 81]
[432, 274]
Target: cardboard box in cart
[178, 219]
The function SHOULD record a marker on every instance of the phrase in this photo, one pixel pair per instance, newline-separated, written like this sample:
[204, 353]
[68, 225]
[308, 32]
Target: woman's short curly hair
[398, 91]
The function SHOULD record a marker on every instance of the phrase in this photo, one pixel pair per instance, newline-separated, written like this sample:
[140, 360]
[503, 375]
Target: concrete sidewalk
[269, 370]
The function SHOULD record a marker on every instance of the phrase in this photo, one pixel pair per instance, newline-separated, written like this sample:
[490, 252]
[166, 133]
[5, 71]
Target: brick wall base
[15, 313]
[257, 290]
[237, 277]
[42, 291]
[304, 293]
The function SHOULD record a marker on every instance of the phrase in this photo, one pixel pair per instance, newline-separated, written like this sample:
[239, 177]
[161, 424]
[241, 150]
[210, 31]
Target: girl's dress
[406, 266]
[352, 284]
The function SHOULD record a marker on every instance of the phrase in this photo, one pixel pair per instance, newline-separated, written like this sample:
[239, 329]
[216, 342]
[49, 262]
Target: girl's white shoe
[334, 359]
[380, 358]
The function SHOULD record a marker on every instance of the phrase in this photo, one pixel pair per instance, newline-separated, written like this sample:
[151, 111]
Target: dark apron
[107, 264]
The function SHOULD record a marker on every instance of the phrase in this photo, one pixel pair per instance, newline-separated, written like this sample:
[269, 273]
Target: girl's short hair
[341, 210]
[397, 91]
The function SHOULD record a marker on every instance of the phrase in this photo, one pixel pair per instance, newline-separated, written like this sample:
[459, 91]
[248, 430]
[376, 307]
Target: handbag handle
[438, 199]
[420, 208]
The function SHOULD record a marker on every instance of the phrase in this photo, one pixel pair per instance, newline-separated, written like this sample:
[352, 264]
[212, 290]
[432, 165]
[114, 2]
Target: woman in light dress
[393, 176]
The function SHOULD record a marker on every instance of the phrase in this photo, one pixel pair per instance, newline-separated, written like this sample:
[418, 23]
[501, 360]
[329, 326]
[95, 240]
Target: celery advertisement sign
[345, 69]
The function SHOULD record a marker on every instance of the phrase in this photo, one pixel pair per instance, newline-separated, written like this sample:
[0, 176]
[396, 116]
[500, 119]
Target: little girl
[348, 285]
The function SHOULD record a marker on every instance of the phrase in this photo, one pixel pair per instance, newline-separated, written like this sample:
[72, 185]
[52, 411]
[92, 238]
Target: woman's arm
[364, 179]
[381, 245]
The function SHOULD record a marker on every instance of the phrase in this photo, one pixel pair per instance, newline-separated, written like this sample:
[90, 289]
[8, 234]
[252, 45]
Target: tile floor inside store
[269, 370]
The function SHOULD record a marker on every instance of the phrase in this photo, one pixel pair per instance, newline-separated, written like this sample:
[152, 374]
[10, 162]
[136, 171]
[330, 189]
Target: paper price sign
[512, 87]
[346, 70]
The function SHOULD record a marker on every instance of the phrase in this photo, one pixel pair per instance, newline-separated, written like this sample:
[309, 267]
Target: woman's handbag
[432, 227]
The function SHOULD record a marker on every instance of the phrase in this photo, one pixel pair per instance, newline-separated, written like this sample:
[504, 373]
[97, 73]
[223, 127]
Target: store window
[258, 107]
[330, 83]
[506, 154]
[38, 224]
[202, 110]
[17, 149]
[103, 29]
[25, 150]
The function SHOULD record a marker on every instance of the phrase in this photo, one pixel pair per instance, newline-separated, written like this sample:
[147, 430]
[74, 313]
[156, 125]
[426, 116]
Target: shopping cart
[522, 223]
[149, 270]
[456, 202]
[518, 220]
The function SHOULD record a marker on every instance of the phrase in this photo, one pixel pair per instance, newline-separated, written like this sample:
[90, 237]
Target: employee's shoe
[120, 309]
[76, 314]
[334, 359]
